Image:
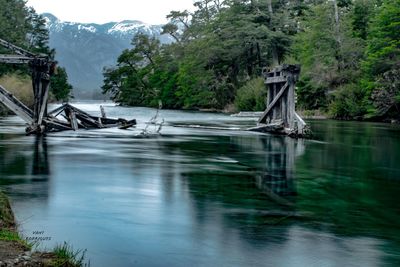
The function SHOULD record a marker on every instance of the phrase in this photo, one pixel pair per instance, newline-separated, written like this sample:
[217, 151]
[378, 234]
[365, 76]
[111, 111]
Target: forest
[349, 51]
[22, 26]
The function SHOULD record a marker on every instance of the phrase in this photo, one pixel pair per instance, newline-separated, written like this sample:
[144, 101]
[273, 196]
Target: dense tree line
[22, 26]
[348, 49]
[350, 53]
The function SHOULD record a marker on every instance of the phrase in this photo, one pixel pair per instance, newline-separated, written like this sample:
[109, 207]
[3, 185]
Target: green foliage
[311, 97]
[345, 59]
[12, 236]
[252, 96]
[7, 235]
[384, 41]
[38, 35]
[386, 96]
[361, 16]
[14, 25]
[348, 103]
[128, 83]
[349, 52]
[225, 44]
[23, 27]
[382, 64]
[67, 256]
[59, 86]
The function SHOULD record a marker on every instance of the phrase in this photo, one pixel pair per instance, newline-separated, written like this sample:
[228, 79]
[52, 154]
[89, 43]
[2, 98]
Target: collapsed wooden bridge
[39, 120]
[280, 116]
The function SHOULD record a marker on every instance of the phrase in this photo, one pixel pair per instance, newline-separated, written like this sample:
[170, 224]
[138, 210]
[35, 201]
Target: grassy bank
[16, 251]
[20, 86]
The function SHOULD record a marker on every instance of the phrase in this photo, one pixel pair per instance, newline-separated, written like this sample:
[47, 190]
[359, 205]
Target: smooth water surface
[207, 193]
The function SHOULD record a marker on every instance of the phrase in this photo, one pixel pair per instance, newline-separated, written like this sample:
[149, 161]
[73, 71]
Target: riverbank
[16, 251]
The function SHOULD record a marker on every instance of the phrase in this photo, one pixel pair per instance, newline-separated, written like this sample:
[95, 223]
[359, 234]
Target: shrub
[348, 103]
[309, 96]
[251, 96]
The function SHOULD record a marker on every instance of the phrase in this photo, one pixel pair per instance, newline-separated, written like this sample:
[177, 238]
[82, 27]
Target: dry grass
[20, 86]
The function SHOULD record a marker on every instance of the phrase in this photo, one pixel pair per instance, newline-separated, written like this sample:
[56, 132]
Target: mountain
[84, 49]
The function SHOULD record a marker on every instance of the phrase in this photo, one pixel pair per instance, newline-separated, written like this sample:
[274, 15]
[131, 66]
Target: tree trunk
[274, 50]
[337, 36]
[337, 22]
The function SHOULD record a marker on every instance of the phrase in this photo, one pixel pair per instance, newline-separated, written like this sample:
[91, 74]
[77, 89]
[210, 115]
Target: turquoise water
[206, 193]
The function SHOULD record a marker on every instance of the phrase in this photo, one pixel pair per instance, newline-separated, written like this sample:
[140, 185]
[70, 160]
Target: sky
[95, 11]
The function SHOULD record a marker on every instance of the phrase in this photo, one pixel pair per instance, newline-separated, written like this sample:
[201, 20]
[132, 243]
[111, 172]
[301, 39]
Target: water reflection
[239, 183]
[24, 166]
[213, 198]
[40, 163]
[277, 177]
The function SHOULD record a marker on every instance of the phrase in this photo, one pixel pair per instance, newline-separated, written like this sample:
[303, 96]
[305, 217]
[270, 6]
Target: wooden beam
[57, 110]
[300, 123]
[15, 105]
[14, 59]
[54, 124]
[270, 106]
[87, 120]
[16, 49]
[43, 105]
[277, 79]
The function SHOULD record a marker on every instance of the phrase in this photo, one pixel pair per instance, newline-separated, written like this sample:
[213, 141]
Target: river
[206, 193]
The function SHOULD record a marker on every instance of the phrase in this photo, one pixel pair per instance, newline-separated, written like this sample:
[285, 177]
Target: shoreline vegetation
[16, 251]
[349, 52]
[20, 85]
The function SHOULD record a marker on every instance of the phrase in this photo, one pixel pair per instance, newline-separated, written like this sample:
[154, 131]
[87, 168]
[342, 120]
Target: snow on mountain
[84, 49]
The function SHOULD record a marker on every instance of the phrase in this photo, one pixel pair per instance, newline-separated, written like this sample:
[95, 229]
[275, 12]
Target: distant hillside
[84, 49]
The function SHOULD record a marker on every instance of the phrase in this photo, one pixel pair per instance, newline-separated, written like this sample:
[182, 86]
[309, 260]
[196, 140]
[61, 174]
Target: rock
[27, 258]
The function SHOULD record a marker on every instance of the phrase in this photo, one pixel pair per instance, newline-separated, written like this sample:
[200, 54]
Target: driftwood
[75, 119]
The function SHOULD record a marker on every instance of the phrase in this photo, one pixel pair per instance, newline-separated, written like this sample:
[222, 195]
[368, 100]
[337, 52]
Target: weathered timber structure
[280, 116]
[39, 120]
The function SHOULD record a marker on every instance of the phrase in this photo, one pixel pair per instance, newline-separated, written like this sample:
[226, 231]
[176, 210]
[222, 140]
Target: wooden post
[280, 116]
[103, 113]
[74, 122]
[43, 103]
[291, 106]
[36, 93]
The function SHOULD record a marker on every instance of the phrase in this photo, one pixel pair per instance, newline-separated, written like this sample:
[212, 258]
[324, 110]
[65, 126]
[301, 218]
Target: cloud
[149, 11]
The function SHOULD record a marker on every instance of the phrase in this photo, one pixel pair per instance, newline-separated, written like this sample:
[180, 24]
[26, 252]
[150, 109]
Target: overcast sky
[102, 11]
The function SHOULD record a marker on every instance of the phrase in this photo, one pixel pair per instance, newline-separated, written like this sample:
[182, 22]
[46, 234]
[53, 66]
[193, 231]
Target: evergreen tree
[23, 27]
[330, 54]
[59, 85]
[382, 65]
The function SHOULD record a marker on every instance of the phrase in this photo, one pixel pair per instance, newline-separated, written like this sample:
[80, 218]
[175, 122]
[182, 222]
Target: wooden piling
[280, 115]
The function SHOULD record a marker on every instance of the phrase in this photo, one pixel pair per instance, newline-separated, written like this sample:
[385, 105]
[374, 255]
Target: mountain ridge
[84, 49]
